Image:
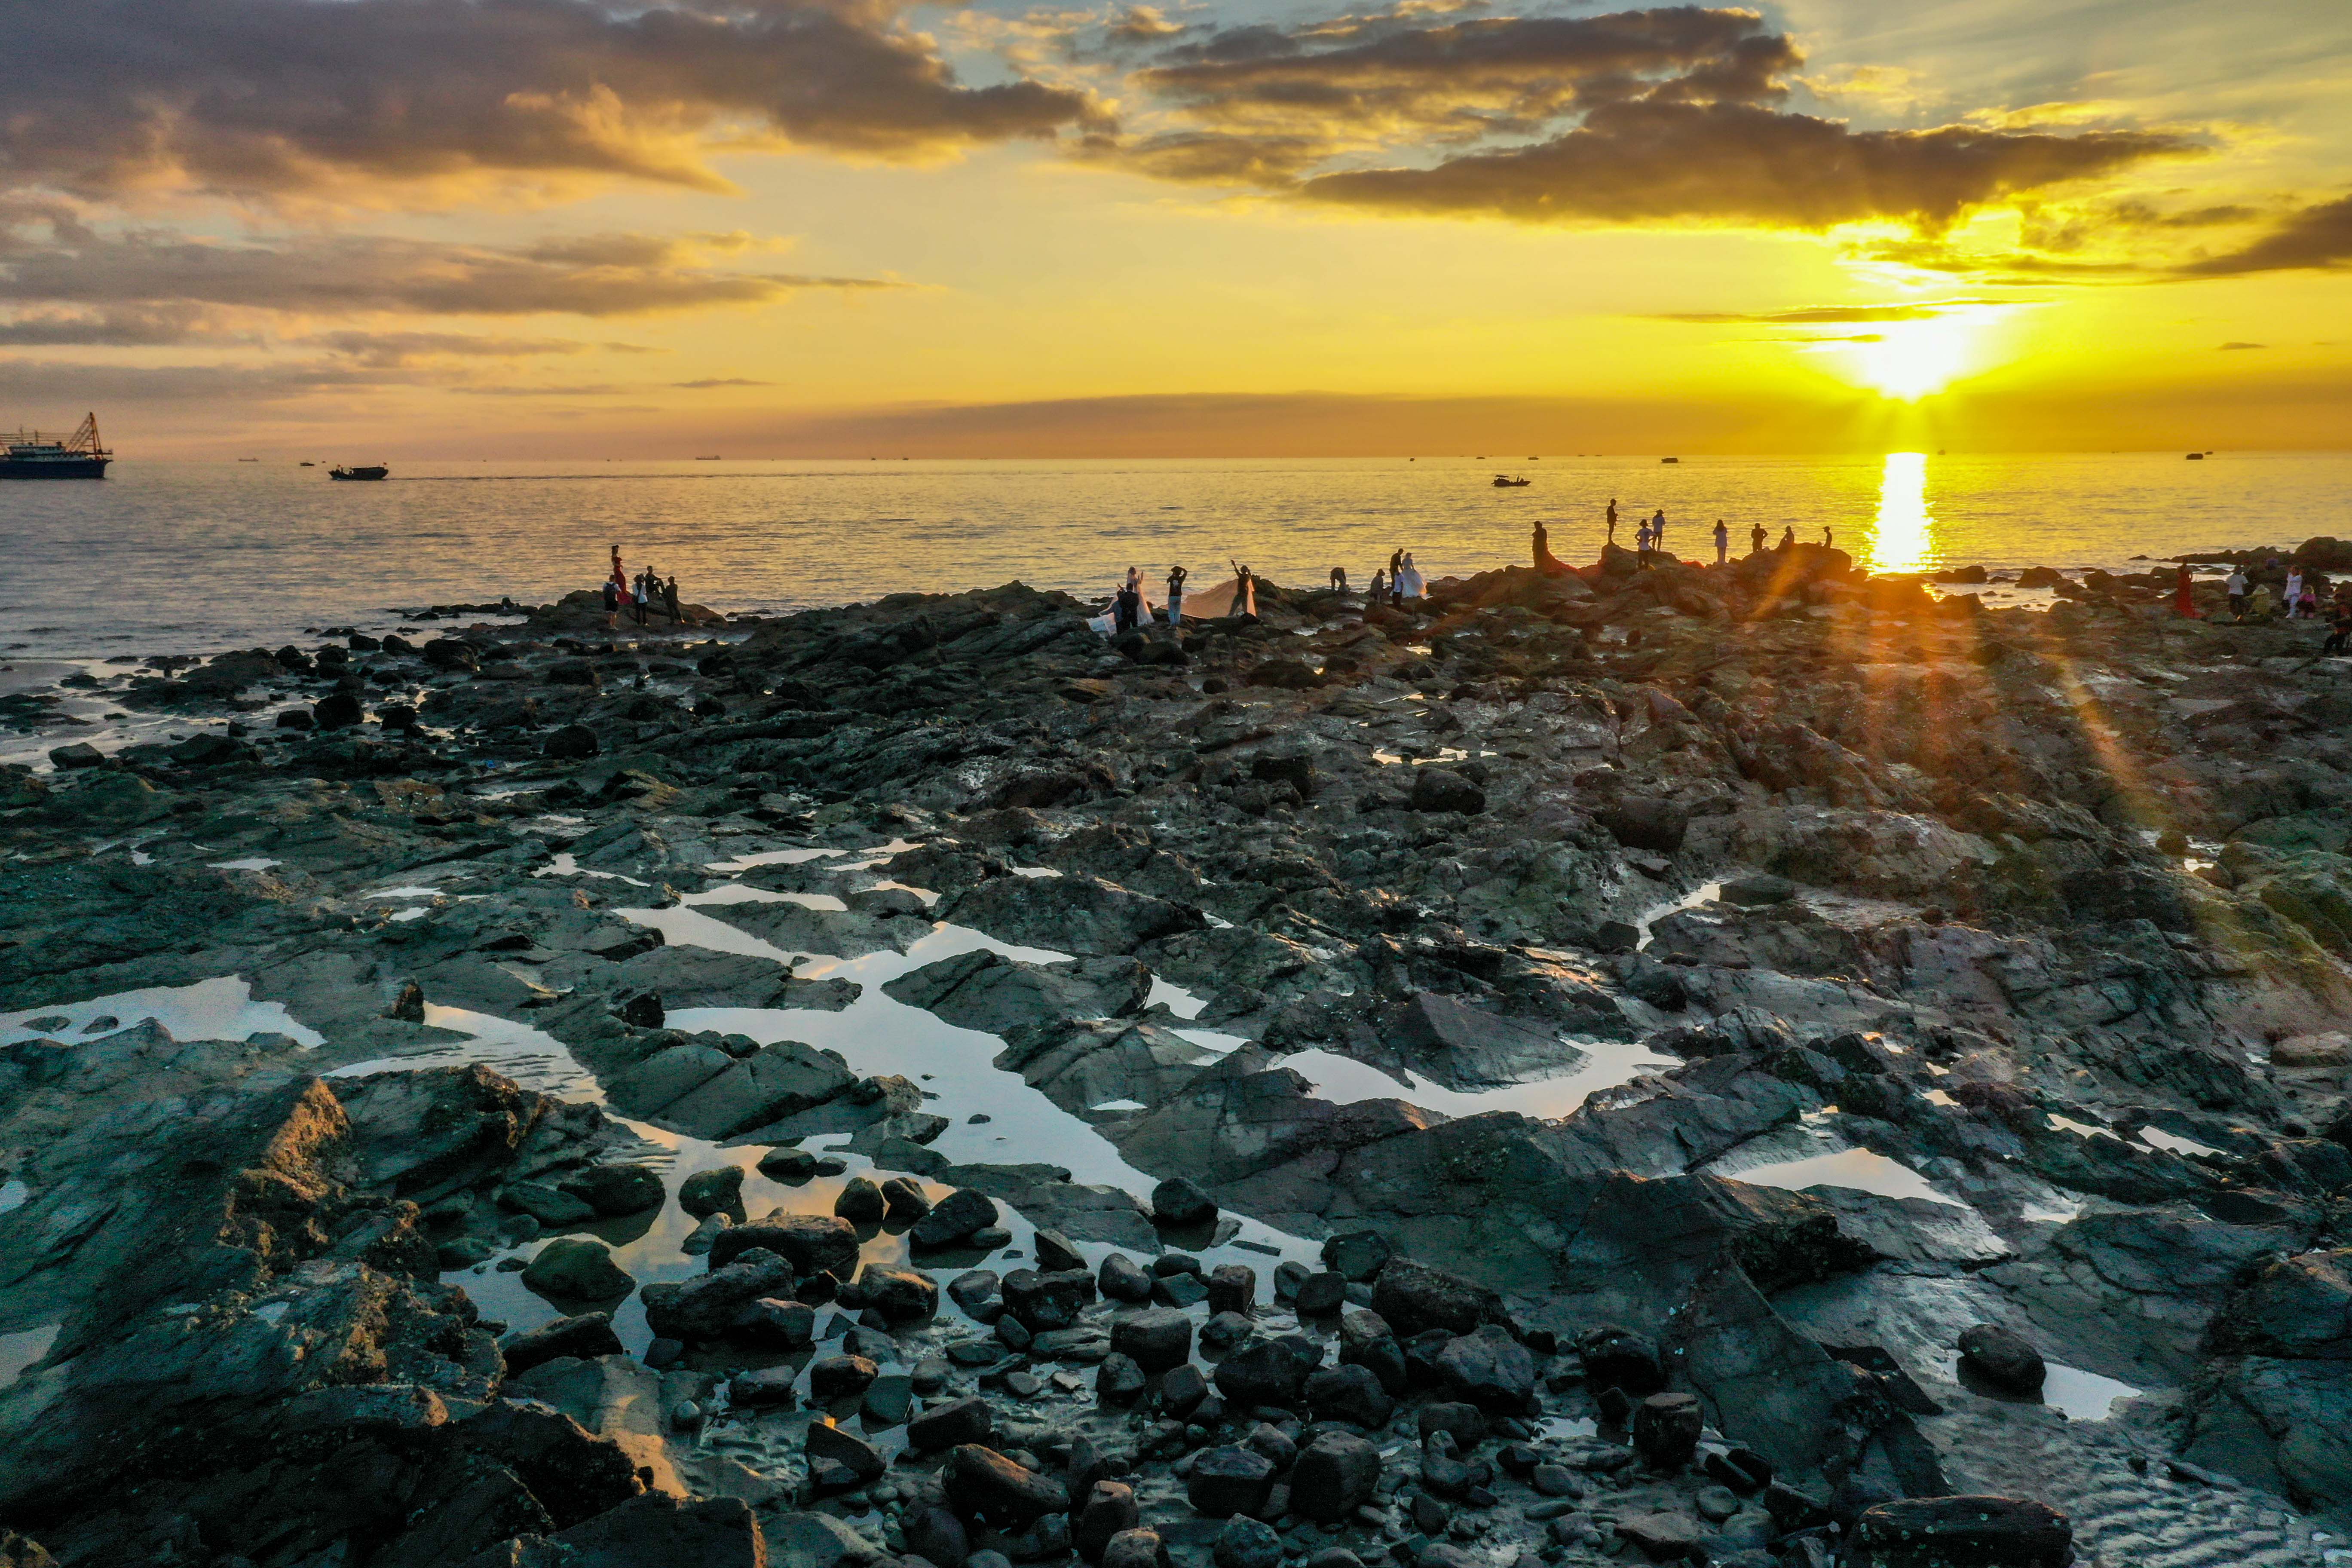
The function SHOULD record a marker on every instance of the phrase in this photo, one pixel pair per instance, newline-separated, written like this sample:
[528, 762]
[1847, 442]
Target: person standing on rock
[1829, 538]
[669, 598]
[1338, 579]
[612, 605]
[2236, 587]
[1123, 605]
[1722, 544]
[1658, 529]
[1612, 521]
[2184, 603]
[1409, 579]
[2294, 599]
[1176, 575]
[1379, 590]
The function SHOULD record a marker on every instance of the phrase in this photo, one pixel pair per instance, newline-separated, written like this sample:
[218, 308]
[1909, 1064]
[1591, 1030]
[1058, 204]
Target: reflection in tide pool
[1591, 1066]
[1903, 537]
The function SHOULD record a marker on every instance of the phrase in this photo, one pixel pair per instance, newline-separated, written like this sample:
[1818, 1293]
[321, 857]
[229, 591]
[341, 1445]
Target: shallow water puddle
[1861, 1168]
[1174, 997]
[1705, 893]
[1603, 1064]
[531, 1057]
[217, 1009]
[742, 863]
[875, 1035]
[2079, 1395]
[22, 1349]
[563, 865]
[2173, 1144]
[251, 863]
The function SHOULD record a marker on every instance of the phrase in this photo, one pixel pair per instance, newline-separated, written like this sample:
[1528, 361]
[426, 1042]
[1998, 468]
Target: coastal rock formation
[1747, 1065]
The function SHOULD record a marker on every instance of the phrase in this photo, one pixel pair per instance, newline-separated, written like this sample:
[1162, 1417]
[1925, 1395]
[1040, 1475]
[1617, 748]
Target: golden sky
[510, 227]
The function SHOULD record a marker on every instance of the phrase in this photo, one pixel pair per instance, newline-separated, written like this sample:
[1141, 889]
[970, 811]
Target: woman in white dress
[1409, 581]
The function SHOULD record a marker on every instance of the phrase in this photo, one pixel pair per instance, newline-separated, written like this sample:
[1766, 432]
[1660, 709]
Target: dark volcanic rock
[2001, 1359]
[1964, 1532]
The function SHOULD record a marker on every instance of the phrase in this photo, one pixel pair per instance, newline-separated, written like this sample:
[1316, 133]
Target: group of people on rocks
[1398, 583]
[2298, 598]
[640, 597]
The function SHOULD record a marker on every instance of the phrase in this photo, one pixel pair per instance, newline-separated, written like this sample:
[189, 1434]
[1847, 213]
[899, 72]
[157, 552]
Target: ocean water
[195, 557]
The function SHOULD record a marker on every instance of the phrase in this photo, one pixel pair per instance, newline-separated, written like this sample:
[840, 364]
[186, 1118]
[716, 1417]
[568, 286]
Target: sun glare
[1912, 360]
[1904, 540]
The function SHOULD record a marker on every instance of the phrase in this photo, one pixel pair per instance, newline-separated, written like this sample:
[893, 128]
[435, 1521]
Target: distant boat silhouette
[2195, 457]
[1505, 482]
[310, 464]
[714, 458]
[1670, 459]
[367, 471]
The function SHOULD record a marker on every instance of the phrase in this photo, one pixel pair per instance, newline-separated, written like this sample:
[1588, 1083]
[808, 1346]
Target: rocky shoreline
[1757, 1065]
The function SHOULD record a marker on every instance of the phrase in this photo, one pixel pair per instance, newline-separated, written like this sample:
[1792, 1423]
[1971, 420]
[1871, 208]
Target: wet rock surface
[1757, 1066]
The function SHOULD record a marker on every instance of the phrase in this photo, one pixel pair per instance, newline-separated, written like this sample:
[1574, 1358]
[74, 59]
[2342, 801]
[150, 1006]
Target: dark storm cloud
[1652, 161]
[332, 276]
[1500, 71]
[333, 98]
[1209, 157]
[2316, 237]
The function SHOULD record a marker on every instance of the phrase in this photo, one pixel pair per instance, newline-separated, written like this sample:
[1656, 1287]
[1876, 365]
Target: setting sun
[1912, 360]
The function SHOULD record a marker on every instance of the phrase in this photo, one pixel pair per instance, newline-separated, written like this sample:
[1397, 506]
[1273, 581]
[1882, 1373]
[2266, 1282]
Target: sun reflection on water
[1904, 539]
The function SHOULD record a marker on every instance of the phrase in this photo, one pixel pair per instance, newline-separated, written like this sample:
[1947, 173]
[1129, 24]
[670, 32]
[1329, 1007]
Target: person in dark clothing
[1124, 606]
[1612, 521]
[1755, 537]
[2339, 630]
[1789, 537]
[1176, 575]
[1338, 579]
[669, 598]
[612, 603]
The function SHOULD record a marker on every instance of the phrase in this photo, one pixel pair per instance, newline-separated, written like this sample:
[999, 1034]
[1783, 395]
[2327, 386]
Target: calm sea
[194, 557]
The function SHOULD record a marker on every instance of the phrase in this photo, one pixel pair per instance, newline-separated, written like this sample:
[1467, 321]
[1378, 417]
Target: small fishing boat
[367, 471]
[2195, 457]
[1670, 459]
[308, 464]
[713, 458]
[80, 456]
[1511, 482]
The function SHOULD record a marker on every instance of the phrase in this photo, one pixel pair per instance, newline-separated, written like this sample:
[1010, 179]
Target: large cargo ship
[32, 456]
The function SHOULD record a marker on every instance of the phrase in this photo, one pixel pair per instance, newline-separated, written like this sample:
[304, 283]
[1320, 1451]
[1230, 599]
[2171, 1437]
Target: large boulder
[810, 1243]
[775, 1082]
[707, 1306]
[1082, 915]
[1964, 1532]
